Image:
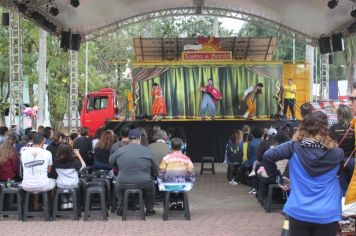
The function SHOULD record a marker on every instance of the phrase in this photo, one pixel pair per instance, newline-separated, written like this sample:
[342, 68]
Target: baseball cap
[134, 134]
[271, 131]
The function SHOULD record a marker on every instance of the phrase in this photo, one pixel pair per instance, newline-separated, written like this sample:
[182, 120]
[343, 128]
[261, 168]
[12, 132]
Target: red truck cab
[97, 108]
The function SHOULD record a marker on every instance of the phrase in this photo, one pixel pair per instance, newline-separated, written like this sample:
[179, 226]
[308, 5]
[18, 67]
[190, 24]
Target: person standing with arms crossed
[289, 98]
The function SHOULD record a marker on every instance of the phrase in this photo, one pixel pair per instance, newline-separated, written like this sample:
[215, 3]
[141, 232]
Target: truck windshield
[97, 103]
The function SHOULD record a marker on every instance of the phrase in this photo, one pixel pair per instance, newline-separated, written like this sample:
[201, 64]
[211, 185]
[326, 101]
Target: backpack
[234, 153]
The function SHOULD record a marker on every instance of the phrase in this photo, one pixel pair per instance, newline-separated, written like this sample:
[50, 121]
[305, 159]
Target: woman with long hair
[67, 163]
[159, 104]
[102, 151]
[344, 135]
[9, 160]
[314, 203]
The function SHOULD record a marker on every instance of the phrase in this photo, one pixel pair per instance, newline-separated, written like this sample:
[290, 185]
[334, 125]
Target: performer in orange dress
[159, 104]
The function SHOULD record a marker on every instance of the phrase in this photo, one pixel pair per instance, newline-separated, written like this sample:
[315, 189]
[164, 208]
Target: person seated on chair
[137, 169]
[67, 163]
[160, 148]
[251, 156]
[36, 164]
[234, 155]
[176, 168]
[102, 151]
[9, 159]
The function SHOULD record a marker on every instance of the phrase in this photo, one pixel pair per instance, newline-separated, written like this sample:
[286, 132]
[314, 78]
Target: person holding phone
[67, 163]
[314, 203]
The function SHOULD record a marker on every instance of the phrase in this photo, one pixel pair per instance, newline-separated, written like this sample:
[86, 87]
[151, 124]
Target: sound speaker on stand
[324, 45]
[5, 19]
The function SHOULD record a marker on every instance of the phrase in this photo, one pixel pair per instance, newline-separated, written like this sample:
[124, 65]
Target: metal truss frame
[324, 77]
[16, 68]
[206, 11]
[73, 91]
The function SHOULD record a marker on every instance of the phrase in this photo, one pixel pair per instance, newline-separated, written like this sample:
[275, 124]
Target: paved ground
[216, 209]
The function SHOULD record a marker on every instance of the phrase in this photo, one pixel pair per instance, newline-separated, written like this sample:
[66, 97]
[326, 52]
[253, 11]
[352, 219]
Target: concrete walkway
[216, 209]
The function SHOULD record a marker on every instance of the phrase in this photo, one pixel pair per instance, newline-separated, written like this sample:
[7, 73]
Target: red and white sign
[207, 56]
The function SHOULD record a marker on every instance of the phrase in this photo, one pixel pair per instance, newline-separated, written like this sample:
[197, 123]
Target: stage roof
[309, 19]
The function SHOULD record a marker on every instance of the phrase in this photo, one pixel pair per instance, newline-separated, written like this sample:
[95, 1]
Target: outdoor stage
[204, 138]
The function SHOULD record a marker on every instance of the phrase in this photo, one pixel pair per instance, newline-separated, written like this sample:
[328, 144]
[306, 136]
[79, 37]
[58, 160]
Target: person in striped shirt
[175, 166]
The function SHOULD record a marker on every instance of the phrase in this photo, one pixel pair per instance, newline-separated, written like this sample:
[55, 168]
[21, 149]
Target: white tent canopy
[308, 19]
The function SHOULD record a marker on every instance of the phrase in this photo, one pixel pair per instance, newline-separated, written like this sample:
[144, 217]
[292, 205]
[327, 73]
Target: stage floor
[203, 137]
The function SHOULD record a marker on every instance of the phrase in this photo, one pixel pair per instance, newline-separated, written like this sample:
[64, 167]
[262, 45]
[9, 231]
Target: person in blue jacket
[314, 203]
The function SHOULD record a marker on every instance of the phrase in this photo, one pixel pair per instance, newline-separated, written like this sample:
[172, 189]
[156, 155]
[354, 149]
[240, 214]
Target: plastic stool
[10, 192]
[126, 201]
[166, 209]
[45, 206]
[269, 200]
[71, 192]
[207, 160]
[100, 190]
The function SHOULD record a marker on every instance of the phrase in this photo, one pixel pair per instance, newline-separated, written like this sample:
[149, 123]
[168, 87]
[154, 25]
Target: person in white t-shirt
[36, 164]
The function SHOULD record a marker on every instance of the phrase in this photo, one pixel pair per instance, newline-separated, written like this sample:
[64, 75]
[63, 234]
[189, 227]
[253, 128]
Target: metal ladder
[324, 77]
[73, 91]
[16, 68]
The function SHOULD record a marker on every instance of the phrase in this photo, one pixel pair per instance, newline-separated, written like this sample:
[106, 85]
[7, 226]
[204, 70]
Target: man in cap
[137, 167]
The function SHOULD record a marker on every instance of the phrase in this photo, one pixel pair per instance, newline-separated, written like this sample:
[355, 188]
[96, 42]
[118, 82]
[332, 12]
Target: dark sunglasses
[352, 98]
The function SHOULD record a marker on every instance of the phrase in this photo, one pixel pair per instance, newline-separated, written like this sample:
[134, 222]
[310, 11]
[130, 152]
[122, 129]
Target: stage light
[332, 4]
[74, 3]
[54, 11]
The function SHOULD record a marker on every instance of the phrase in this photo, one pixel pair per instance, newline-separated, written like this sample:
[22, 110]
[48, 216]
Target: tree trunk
[42, 79]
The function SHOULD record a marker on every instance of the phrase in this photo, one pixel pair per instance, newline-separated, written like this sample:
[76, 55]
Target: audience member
[314, 203]
[9, 160]
[176, 168]
[67, 163]
[83, 143]
[344, 135]
[160, 147]
[97, 136]
[56, 139]
[234, 155]
[102, 151]
[36, 164]
[4, 131]
[251, 157]
[144, 136]
[137, 168]
[124, 135]
[305, 109]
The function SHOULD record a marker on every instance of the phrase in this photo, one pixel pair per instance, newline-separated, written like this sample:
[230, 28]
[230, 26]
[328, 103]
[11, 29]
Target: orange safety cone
[285, 229]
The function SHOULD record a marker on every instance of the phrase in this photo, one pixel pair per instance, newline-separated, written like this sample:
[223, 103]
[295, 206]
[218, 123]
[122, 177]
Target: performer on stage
[158, 104]
[289, 98]
[210, 96]
[250, 99]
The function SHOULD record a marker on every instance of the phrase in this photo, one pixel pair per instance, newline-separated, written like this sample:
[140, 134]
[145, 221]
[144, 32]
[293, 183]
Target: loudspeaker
[324, 45]
[331, 59]
[337, 42]
[65, 40]
[5, 19]
[75, 42]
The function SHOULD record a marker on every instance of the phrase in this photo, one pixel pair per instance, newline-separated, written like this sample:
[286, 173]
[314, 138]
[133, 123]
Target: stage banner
[181, 89]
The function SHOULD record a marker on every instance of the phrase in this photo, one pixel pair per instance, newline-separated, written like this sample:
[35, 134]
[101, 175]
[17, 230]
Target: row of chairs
[96, 194]
[274, 198]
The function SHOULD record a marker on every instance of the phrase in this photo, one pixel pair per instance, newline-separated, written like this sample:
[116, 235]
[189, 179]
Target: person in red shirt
[9, 160]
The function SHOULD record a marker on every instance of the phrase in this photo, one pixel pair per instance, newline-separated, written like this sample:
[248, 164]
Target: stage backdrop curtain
[181, 89]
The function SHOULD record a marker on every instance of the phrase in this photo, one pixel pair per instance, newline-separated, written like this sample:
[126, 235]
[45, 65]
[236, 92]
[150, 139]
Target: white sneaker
[245, 115]
[252, 191]
[253, 173]
[64, 206]
[69, 205]
[233, 183]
